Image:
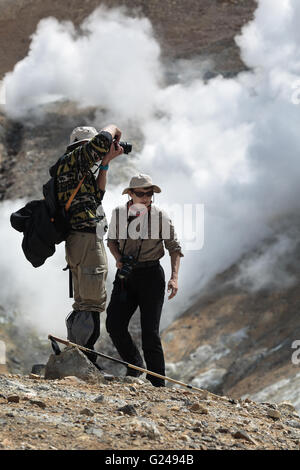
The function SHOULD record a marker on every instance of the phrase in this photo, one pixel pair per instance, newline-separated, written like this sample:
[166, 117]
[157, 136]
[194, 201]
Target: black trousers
[145, 288]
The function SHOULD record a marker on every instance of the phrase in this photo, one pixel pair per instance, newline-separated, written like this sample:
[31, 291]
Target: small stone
[13, 399]
[128, 409]
[223, 430]
[99, 399]
[30, 447]
[175, 408]
[247, 400]
[279, 426]
[34, 376]
[94, 432]
[144, 427]
[87, 412]
[293, 424]
[197, 429]
[6, 442]
[195, 407]
[71, 379]
[274, 414]
[287, 405]
[39, 403]
[240, 434]
[132, 380]
[199, 409]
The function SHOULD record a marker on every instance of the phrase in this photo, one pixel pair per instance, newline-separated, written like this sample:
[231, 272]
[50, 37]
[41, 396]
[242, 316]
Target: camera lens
[126, 146]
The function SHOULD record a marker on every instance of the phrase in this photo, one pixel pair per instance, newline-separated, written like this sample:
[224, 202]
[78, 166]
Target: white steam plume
[110, 64]
[39, 295]
[231, 144]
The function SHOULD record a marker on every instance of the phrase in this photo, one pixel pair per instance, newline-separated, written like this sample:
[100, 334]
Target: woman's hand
[119, 264]
[173, 287]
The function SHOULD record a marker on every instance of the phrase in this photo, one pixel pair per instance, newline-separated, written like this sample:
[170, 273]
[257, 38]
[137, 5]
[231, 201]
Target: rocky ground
[129, 413]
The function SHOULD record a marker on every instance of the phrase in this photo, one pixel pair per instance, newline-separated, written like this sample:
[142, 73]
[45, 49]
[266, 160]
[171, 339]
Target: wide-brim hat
[82, 134]
[141, 181]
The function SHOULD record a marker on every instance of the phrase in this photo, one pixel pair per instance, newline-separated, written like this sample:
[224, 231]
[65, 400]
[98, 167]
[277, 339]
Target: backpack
[44, 222]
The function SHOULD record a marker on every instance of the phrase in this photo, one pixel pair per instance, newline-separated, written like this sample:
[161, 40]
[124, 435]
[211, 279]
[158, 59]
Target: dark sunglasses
[141, 194]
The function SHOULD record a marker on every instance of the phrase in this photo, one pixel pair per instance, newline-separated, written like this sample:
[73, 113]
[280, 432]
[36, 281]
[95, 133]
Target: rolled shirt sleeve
[169, 236]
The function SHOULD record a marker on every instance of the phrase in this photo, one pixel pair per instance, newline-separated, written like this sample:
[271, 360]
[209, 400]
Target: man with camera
[85, 251]
[137, 235]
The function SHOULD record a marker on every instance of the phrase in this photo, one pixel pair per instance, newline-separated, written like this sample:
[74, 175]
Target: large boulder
[72, 362]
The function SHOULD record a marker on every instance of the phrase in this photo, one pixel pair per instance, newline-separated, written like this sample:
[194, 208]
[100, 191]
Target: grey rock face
[72, 362]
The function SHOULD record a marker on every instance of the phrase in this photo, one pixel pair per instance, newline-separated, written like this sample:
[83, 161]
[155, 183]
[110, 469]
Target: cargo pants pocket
[92, 284]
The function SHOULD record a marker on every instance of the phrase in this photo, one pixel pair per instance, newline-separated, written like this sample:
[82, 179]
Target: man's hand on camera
[114, 151]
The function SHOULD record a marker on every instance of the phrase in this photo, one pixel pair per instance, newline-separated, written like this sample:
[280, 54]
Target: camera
[127, 147]
[128, 263]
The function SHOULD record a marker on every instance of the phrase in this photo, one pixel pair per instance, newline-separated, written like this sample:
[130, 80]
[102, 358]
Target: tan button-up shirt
[145, 236]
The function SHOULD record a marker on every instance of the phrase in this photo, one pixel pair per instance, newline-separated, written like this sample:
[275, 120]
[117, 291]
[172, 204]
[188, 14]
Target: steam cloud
[230, 144]
[113, 62]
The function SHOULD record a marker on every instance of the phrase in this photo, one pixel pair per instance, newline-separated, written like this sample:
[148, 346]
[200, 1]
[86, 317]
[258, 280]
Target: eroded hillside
[184, 29]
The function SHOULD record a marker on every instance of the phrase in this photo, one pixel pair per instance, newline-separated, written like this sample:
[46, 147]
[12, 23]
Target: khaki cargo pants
[86, 256]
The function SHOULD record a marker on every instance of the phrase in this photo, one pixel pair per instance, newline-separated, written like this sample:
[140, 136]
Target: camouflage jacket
[76, 163]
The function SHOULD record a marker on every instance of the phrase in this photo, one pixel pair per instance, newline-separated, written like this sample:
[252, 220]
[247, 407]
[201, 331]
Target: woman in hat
[138, 233]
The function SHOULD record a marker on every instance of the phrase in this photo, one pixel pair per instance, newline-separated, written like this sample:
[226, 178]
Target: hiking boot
[155, 381]
[38, 369]
[133, 372]
[104, 374]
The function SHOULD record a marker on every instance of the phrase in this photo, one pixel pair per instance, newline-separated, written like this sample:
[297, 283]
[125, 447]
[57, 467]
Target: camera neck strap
[129, 220]
[140, 246]
[139, 250]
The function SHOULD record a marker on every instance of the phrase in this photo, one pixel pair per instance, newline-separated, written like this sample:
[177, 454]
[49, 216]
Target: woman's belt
[146, 264]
